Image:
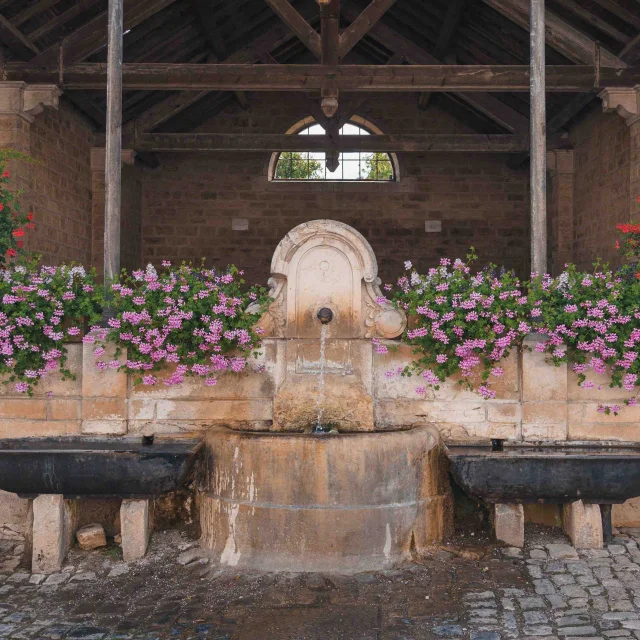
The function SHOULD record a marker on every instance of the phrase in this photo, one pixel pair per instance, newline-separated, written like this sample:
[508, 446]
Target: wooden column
[113, 177]
[330, 43]
[538, 141]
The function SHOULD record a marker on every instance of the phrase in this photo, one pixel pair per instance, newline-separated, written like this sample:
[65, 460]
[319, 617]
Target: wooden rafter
[307, 34]
[357, 78]
[501, 113]
[560, 35]
[92, 36]
[268, 142]
[62, 19]
[362, 25]
[216, 41]
[174, 104]
[451, 21]
[33, 10]
[623, 13]
[16, 40]
[595, 20]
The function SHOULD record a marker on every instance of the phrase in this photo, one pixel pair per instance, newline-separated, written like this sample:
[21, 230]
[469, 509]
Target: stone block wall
[534, 401]
[602, 185]
[60, 194]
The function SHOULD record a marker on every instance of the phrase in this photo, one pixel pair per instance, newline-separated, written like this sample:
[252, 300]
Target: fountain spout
[325, 315]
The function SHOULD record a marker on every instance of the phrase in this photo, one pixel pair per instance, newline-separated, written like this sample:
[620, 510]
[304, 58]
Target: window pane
[354, 165]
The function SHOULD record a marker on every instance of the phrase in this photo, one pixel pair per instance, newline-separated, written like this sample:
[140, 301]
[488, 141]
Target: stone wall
[60, 194]
[601, 189]
[190, 202]
[535, 401]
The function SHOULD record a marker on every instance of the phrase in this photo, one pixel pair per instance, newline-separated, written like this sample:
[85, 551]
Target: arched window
[359, 166]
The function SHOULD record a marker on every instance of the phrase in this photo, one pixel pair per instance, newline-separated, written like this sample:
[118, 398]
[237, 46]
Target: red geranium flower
[30, 225]
[20, 244]
[5, 174]
[30, 216]
[10, 253]
[18, 233]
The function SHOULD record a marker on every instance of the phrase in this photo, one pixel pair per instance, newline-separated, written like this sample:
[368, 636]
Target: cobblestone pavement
[472, 593]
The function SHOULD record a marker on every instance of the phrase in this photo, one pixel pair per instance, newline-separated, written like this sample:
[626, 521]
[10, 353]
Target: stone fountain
[353, 499]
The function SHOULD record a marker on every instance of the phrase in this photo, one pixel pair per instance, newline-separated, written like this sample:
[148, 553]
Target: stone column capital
[560, 161]
[128, 156]
[624, 100]
[27, 100]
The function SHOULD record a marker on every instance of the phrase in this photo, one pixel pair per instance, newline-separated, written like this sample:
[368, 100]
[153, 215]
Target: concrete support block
[135, 528]
[583, 524]
[508, 521]
[54, 522]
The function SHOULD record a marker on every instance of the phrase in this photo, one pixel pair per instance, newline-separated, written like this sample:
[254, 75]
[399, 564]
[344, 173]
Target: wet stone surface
[471, 593]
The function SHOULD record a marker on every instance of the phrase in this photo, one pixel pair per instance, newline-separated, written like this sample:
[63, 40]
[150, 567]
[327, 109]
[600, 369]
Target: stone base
[508, 521]
[347, 502]
[135, 528]
[583, 524]
[54, 523]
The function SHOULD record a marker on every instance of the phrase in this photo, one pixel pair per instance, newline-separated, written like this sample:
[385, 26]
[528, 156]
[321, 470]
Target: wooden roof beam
[489, 105]
[13, 38]
[356, 78]
[174, 104]
[401, 143]
[33, 10]
[307, 34]
[362, 25]
[92, 36]
[451, 22]
[560, 35]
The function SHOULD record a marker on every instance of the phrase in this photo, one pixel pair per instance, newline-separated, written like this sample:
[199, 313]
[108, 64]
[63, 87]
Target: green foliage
[293, 165]
[378, 167]
[13, 222]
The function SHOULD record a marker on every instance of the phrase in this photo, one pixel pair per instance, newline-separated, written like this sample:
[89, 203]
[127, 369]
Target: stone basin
[85, 466]
[594, 472]
[344, 502]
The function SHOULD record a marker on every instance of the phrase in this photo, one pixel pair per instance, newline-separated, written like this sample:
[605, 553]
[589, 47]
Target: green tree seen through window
[293, 165]
[378, 167]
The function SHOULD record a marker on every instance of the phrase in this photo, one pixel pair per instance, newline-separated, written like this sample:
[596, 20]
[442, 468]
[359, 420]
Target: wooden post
[538, 141]
[113, 171]
[330, 44]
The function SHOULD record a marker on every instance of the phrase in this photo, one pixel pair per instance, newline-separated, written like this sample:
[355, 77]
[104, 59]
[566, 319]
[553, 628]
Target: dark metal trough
[79, 466]
[595, 472]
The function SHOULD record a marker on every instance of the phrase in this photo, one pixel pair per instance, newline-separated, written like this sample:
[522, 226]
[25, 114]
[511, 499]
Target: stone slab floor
[461, 591]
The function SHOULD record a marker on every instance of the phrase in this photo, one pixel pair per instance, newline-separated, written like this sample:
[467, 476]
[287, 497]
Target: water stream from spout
[318, 428]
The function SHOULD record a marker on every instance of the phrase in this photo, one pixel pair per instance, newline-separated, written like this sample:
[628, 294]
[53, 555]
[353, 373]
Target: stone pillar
[54, 523]
[626, 102]
[508, 522]
[560, 167]
[135, 528]
[19, 104]
[544, 394]
[583, 524]
[98, 203]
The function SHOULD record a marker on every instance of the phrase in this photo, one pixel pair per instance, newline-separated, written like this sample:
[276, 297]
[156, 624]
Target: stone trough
[586, 477]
